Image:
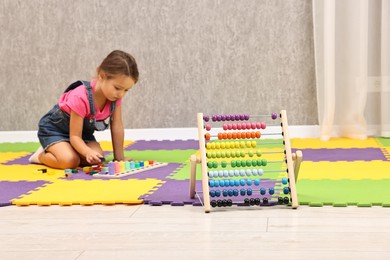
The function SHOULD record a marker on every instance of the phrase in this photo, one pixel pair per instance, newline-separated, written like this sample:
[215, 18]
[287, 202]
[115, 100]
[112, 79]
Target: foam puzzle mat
[340, 172]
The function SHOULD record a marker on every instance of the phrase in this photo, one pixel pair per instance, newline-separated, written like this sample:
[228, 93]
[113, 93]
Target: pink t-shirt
[77, 100]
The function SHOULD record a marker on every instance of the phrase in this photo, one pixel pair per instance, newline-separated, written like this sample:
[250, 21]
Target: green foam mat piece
[343, 193]
[384, 141]
[19, 147]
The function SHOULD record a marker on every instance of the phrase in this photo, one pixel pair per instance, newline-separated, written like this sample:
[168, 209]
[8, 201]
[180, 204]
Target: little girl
[66, 131]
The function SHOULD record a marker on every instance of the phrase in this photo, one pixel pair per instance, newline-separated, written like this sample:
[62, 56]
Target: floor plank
[167, 232]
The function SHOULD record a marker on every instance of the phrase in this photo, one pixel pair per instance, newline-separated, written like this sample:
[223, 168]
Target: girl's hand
[93, 157]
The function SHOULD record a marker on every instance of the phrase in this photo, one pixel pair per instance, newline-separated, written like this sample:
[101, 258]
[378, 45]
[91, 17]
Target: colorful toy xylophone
[235, 171]
[122, 168]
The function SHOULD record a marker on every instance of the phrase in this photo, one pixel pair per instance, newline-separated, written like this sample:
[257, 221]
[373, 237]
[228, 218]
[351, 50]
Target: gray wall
[228, 56]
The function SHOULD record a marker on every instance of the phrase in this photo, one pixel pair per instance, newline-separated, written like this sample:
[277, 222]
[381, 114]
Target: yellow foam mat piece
[316, 143]
[107, 146]
[28, 173]
[89, 192]
[9, 156]
[356, 170]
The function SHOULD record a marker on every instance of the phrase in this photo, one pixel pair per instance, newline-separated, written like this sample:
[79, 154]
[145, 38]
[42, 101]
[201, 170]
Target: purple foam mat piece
[173, 192]
[12, 190]
[176, 193]
[347, 154]
[21, 160]
[158, 173]
[143, 145]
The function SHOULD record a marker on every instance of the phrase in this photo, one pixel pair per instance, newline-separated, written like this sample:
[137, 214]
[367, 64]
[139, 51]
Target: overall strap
[112, 107]
[73, 86]
[90, 98]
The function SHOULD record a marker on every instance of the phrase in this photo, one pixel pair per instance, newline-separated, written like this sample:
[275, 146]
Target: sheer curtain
[352, 52]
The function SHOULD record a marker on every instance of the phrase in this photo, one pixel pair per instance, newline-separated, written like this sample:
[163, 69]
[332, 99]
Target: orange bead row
[235, 135]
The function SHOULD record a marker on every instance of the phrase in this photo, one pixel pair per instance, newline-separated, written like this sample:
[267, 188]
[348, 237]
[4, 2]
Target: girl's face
[115, 88]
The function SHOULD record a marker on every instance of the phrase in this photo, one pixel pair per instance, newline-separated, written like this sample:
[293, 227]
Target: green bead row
[248, 163]
[238, 163]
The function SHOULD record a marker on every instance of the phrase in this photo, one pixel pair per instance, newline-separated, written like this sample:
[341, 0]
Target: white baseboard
[307, 131]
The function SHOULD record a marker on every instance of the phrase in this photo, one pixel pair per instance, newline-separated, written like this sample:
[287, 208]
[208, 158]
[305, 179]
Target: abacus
[118, 169]
[235, 170]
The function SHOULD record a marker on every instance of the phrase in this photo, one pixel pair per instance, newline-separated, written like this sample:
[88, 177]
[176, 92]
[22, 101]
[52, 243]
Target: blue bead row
[234, 182]
[236, 173]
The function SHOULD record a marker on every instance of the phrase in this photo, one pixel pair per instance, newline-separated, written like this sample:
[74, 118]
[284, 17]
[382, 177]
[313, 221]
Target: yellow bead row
[231, 145]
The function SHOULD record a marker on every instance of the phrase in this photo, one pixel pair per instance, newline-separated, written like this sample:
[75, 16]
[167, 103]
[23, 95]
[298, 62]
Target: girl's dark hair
[119, 63]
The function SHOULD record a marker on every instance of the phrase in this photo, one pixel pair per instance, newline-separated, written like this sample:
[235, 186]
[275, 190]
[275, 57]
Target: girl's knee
[69, 161]
[62, 156]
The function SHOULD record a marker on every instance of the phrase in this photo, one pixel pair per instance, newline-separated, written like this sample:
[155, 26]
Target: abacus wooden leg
[194, 161]
[203, 161]
[297, 158]
[290, 164]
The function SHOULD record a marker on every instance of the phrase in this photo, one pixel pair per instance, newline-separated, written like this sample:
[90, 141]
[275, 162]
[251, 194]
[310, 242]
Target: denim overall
[54, 125]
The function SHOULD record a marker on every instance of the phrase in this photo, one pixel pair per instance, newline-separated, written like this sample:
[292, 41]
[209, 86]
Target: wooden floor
[167, 232]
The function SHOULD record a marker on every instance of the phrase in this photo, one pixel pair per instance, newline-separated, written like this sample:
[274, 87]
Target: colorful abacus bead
[127, 166]
[229, 202]
[116, 167]
[121, 166]
[111, 168]
[132, 165]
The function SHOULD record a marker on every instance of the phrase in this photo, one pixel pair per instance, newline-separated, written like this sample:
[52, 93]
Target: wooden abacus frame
[293, 161]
